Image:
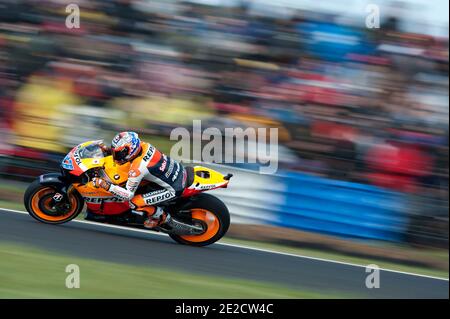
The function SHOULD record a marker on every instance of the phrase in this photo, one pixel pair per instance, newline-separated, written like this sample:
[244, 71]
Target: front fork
[61, 200]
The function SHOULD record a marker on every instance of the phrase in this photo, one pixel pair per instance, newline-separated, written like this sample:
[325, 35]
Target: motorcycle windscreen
[84, 157]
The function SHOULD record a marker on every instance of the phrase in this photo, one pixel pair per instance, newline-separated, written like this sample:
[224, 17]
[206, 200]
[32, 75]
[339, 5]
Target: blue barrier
[316, 204]
[340, 208]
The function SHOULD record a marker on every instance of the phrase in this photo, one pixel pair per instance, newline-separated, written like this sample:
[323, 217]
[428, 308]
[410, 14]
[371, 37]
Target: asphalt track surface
[115, 244]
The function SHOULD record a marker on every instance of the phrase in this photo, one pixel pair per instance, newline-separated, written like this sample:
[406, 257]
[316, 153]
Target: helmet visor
[120, 156]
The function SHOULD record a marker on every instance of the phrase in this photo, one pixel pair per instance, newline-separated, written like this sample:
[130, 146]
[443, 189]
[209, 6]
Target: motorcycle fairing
[205, 179]
[87, 156]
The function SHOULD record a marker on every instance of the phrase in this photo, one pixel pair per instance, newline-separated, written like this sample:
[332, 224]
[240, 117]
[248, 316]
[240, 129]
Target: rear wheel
[38, 201]
[213, 214]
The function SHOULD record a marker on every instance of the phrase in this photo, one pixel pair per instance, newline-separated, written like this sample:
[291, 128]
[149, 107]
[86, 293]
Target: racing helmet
[125, 147]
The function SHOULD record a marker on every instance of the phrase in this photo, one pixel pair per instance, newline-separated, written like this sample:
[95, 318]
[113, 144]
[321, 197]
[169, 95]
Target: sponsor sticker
[159, 198]
[149, 155]
[134, 173]
[67, 163]
[164, 164]
[77, 158]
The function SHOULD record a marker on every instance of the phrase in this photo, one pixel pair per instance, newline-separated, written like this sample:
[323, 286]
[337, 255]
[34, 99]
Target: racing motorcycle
[198, 219]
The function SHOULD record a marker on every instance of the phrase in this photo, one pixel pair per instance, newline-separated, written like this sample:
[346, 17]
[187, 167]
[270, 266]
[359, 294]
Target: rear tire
[207, 204]
[37, 195]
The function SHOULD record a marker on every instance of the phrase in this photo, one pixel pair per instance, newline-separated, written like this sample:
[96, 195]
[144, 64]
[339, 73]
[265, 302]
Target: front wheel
[211, 212]
[38, 202]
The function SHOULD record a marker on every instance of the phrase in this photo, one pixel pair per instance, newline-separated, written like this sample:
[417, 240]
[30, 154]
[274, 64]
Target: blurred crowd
[351, 103]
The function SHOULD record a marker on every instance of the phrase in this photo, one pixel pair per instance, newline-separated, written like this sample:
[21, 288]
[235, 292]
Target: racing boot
[156, 219]
[153, 216]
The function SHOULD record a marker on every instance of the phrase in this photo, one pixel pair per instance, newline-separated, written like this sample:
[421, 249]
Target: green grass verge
[441, 255]
[34, 273]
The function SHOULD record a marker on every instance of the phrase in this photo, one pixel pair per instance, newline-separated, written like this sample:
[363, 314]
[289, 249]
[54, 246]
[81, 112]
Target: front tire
[37, 199]
[214, 214]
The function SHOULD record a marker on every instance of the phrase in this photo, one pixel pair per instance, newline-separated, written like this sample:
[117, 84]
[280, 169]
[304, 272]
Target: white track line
[241, 246]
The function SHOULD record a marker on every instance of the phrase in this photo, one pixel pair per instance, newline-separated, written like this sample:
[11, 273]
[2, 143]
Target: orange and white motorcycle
[198, 219]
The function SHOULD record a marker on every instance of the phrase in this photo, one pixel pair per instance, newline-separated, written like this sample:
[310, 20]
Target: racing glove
[101, 183]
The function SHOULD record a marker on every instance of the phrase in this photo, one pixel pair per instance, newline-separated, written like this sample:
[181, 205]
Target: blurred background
[362, 113]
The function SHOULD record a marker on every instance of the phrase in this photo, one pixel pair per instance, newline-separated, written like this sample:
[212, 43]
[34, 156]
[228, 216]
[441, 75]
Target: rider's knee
[138, 203]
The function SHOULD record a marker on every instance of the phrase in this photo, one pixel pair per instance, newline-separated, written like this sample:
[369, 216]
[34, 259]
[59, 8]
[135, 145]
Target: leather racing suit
[156, 167]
